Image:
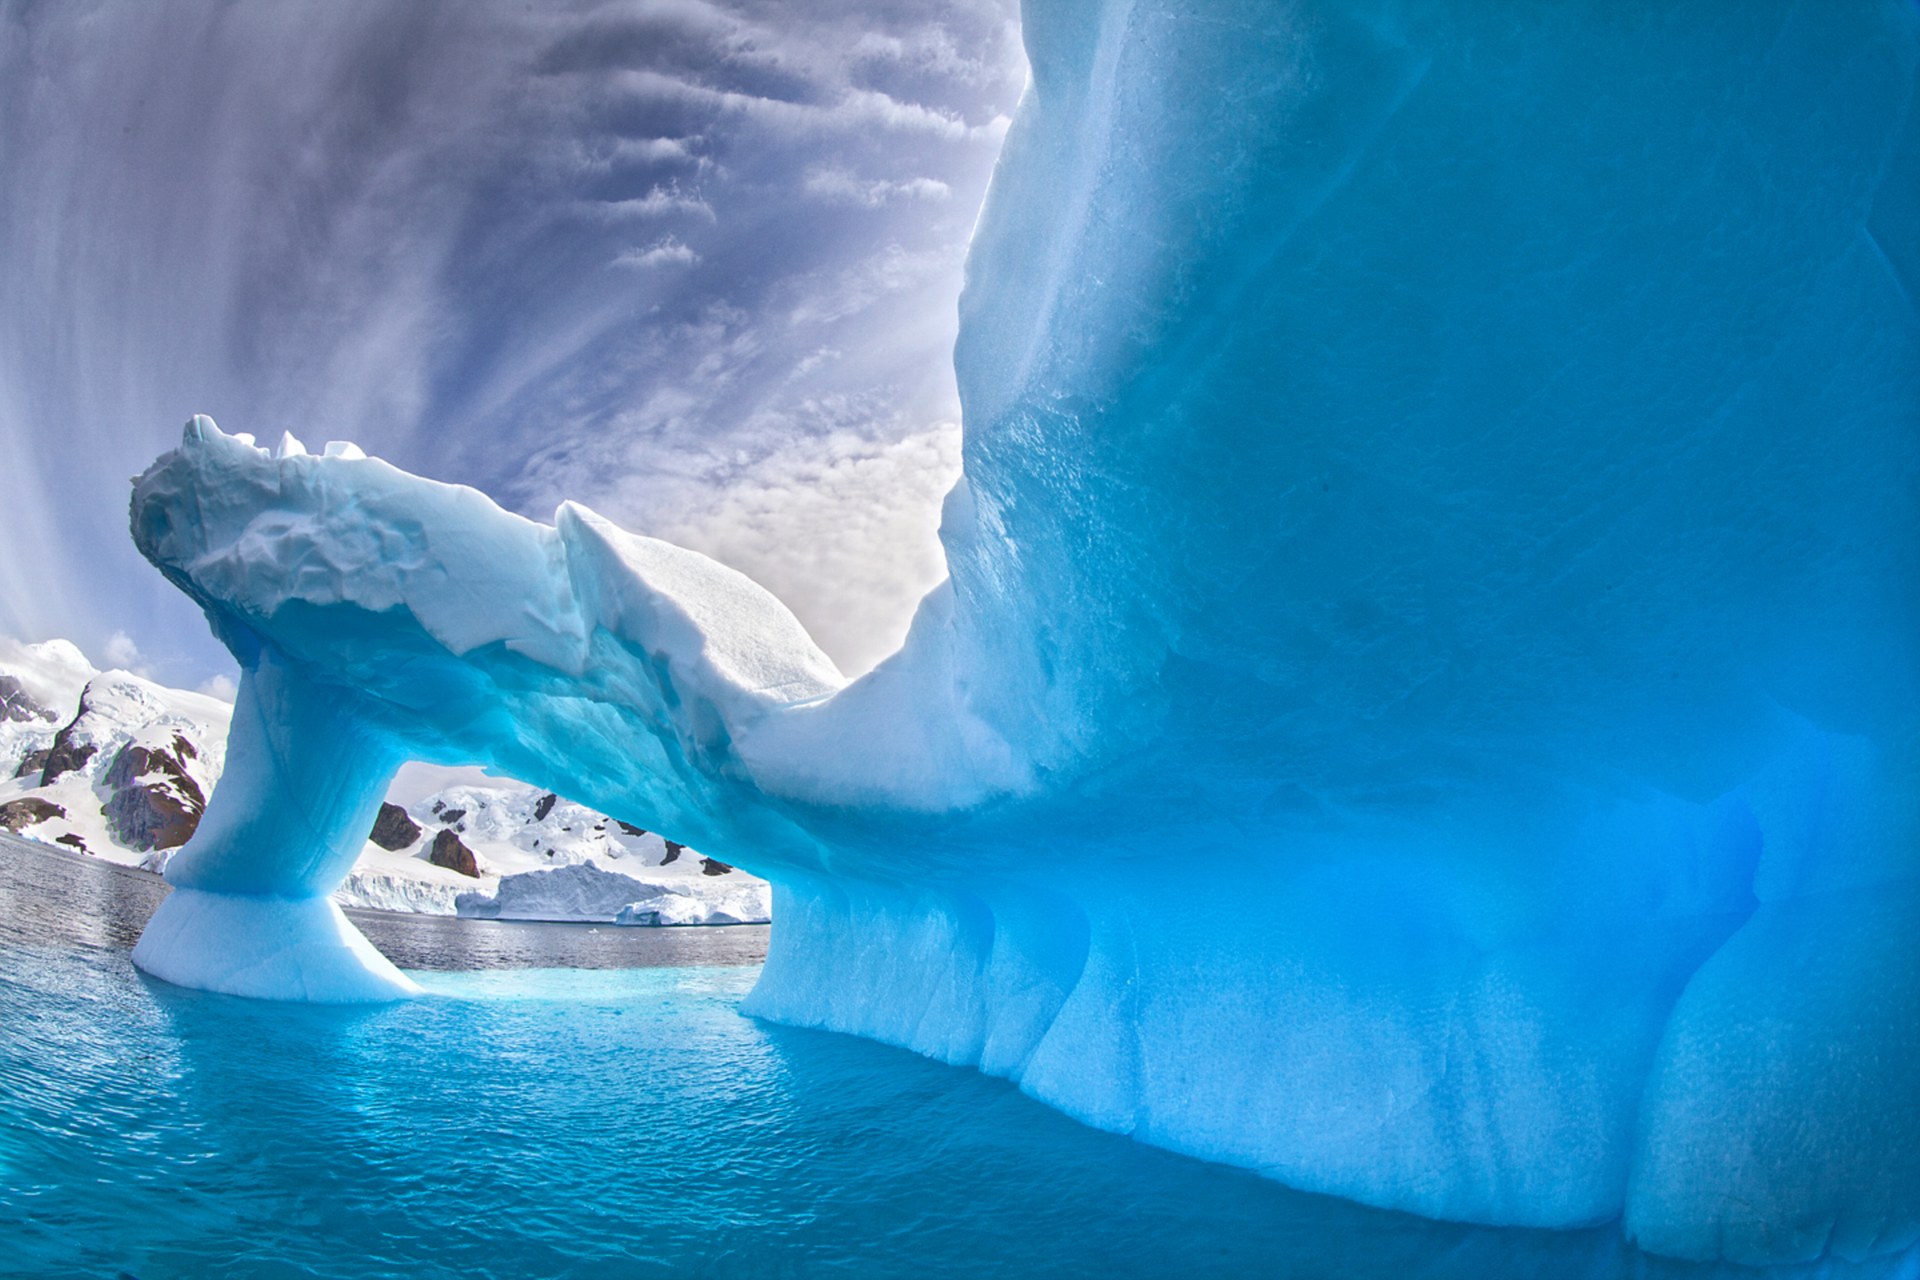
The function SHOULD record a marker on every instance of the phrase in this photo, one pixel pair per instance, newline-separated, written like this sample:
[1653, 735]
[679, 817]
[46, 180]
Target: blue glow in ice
[1425, 703]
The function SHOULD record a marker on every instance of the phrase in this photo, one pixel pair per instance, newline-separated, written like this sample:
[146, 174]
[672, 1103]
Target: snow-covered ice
[588, 891]
[1452, 473]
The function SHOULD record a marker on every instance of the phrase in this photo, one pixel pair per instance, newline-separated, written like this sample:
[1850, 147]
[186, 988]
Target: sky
[693, 263]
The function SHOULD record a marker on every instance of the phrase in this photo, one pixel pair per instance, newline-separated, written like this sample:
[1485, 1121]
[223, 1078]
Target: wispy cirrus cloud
[840, 186]
[668, 201]
[664, 252]
[694, 263]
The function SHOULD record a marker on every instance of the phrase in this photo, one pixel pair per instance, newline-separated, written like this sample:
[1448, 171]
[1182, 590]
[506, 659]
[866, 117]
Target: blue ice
[1425, 701]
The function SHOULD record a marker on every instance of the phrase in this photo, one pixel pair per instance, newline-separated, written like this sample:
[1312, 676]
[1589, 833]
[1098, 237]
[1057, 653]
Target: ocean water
[589, 1121]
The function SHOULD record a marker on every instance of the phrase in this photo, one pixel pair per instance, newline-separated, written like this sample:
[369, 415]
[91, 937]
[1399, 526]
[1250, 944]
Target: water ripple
[607, 1122]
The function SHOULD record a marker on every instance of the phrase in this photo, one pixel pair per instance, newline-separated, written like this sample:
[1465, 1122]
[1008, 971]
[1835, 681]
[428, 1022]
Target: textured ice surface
[1454, 472]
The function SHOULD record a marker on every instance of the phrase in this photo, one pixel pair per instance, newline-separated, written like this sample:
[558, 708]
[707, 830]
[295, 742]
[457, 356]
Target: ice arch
[1425, 703]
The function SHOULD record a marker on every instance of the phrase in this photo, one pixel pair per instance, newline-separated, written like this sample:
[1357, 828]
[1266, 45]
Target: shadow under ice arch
[1425, 701]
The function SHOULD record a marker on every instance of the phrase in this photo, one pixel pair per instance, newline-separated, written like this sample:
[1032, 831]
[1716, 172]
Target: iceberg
[586, 891]
[1452, 474]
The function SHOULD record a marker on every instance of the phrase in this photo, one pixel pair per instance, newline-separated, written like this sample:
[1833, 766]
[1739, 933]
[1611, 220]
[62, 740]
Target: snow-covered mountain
[118, 766]
[507, 852]
[108, 763]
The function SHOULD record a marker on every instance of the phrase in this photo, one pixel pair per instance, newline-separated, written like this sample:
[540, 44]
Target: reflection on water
[533, 1122]
[448, 942]
[50, 896]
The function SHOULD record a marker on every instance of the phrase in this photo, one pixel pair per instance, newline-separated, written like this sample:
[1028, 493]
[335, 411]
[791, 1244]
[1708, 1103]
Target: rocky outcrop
[544, 806]
[72, 747]
[450, 853]
[16, 704]
[154, 803]
[18, 815]
[393, 829]
[66, 755]
[121, 765]
[673, 851]
[714, 867]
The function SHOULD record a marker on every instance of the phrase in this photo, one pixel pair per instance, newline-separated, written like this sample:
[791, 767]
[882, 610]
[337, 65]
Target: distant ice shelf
[1451, 471]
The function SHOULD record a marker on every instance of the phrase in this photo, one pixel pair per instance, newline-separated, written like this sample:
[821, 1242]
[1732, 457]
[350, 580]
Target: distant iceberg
[1453, 472]
[588, 892]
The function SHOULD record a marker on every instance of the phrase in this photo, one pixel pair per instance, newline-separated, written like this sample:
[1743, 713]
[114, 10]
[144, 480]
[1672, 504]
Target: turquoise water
[611, 1122]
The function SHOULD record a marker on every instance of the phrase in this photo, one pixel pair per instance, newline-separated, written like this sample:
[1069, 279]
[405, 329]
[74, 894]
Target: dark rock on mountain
[393, 829]
[714, 867]
[155, 803]
[544, 806]
[17, 704]
[449, 852]
[629, 828]
[66, 755]
[33, 762]
[673, 851]
[75, 841]
[451, 816]
[18, 815]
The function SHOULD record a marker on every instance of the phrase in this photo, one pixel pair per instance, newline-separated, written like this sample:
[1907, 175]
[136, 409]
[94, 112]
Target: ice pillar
[249, 912]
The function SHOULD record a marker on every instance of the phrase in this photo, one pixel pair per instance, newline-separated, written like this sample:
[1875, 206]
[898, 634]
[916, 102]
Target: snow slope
[49, 677]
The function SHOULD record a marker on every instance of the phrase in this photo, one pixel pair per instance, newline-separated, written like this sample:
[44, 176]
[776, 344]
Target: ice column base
[268, 948]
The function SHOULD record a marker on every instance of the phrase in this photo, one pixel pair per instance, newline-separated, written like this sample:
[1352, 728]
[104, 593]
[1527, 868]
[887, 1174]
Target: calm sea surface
[587, 1102]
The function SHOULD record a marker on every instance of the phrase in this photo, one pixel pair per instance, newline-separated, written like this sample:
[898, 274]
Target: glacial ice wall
[1452, 475]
